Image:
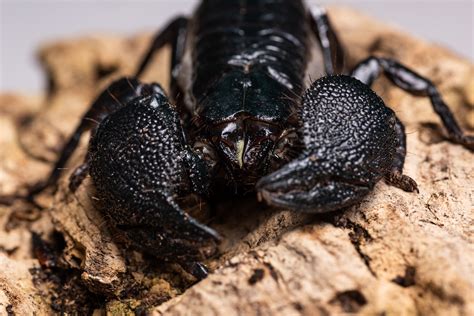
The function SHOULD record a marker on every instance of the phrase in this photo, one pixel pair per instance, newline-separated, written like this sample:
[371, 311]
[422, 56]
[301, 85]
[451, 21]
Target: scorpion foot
[196, 269]
[401, 181]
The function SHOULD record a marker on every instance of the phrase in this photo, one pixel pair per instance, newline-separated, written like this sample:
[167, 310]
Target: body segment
[249, 60]
[247, 56]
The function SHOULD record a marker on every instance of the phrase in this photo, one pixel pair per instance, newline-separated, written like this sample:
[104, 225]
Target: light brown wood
[396, 253]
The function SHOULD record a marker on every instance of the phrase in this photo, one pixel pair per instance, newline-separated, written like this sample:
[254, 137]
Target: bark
[395, 253]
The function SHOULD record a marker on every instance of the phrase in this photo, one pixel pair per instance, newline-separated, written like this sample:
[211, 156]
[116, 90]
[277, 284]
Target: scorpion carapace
[240, 112]
[243, 94]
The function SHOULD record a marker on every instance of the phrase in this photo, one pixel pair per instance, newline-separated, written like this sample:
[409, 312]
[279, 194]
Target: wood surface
[396, 253]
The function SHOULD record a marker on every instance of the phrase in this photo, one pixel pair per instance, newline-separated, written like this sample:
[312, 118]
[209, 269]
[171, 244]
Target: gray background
[24, 24]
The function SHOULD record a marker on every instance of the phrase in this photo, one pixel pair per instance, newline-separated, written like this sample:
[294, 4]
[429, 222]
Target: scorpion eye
[287, 145]
[206, 151]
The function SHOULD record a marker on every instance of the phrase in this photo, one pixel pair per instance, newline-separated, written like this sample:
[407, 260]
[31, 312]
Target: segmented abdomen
[252, 35]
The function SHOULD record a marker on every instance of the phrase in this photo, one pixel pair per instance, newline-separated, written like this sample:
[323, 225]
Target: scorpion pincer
[240, 115]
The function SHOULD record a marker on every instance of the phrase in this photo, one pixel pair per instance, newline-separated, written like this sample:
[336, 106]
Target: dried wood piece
[18, 294]
[395, 253]
[89, 244]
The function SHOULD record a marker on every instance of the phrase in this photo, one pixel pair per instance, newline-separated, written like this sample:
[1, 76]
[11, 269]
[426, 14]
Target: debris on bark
[396, 253]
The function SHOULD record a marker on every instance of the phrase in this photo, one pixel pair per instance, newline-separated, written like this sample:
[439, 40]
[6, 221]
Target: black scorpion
[240, 116]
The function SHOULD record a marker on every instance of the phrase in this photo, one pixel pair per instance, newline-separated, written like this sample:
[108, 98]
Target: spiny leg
[371, 68]
[396, 177]
[333, 53]
[78, 176]
[175, 34]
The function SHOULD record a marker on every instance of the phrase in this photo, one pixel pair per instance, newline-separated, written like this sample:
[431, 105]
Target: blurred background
[25, 24]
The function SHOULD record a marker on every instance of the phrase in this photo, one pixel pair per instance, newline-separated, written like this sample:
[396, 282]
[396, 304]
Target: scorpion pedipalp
[141, 165]
[350, 142]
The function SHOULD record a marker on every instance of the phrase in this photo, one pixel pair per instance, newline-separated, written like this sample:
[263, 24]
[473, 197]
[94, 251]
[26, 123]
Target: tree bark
[396, 253]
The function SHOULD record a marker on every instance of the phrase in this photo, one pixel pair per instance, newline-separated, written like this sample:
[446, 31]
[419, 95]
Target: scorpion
[241, 115]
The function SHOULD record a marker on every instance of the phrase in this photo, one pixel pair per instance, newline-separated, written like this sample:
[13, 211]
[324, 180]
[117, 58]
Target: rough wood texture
[396, 253]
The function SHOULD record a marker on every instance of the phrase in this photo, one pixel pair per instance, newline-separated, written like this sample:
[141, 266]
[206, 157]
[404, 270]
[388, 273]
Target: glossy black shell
[249, 58]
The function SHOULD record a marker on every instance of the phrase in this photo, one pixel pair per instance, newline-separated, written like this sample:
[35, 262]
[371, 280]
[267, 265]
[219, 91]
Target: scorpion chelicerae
[240, 116]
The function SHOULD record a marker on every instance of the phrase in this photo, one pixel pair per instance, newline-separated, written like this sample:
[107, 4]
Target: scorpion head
[248, 125]
[248, 148]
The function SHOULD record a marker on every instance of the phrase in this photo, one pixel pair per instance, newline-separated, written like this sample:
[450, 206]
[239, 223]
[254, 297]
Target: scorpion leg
[350, 140]
[371, 68]
[175, 34]
[396, 177]
[117, 94]
[78, 176]
[142, 167]
[333, 53]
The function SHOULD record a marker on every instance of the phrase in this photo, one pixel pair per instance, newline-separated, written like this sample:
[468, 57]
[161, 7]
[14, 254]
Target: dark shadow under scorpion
[241, 118]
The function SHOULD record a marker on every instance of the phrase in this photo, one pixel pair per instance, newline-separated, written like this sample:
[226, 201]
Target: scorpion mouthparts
[240, 153]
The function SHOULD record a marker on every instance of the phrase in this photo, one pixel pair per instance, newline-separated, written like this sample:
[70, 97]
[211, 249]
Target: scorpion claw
[303, 186]
[188, 226]
[350, 139]
[141, 166]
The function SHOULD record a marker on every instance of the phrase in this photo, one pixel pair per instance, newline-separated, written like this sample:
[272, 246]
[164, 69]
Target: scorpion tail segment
[141, 165]
[350, 140]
